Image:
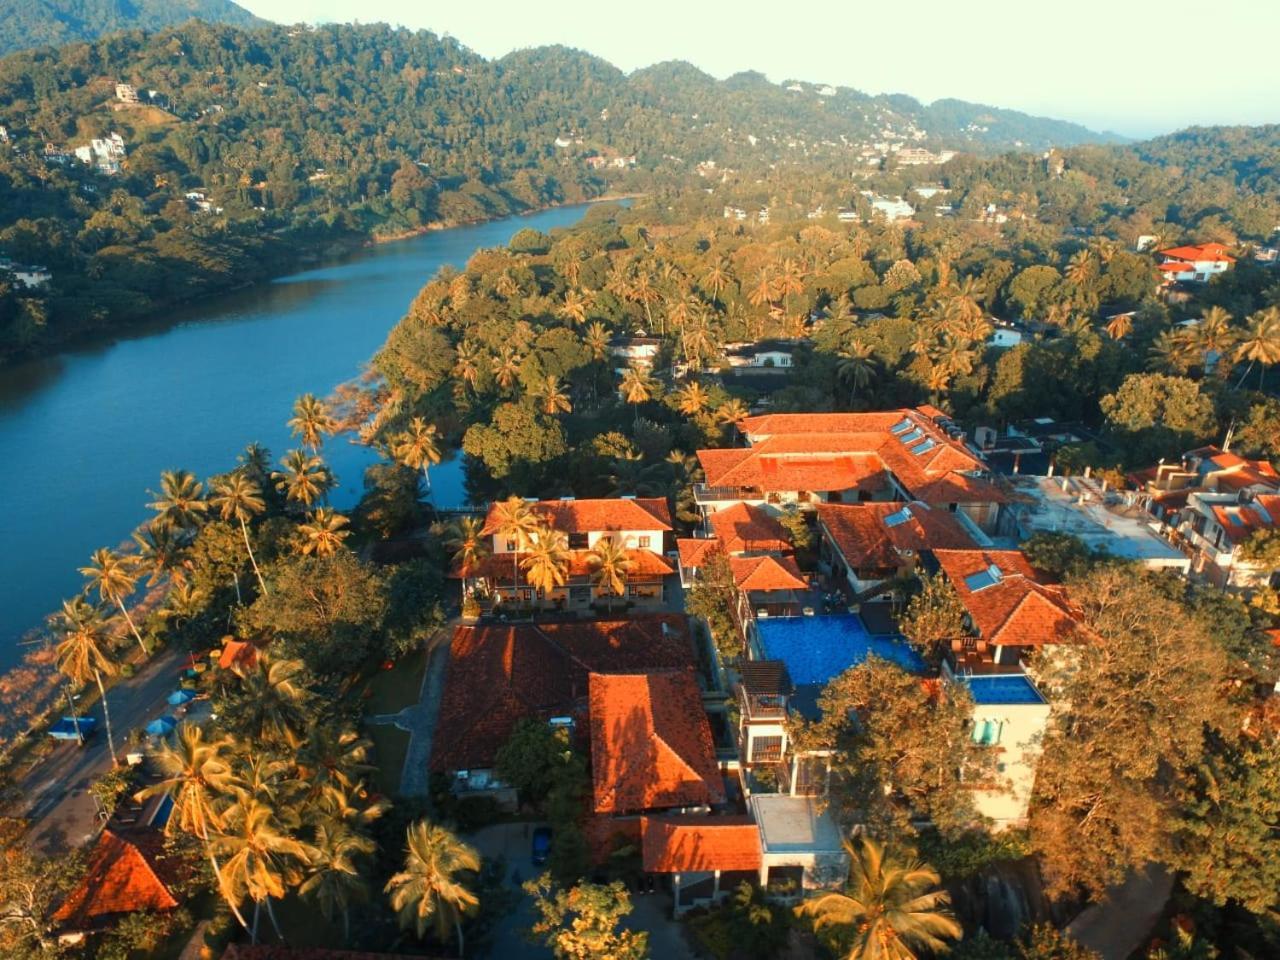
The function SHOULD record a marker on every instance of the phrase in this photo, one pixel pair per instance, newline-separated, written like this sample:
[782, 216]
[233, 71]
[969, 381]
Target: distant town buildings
[104, 154]
[30, 277]
[126, 93]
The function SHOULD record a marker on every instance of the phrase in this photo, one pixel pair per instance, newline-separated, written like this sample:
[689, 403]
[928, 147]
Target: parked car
[541, 845]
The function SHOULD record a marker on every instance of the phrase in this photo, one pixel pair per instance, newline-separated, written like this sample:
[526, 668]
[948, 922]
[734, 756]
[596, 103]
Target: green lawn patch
[390, 691]
[390, 746]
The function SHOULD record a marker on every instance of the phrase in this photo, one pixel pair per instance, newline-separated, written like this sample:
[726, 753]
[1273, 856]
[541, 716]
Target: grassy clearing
[390, 691]
[390, 747]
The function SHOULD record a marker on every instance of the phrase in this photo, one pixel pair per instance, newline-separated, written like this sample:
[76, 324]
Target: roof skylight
[898, 517]
[983, 578]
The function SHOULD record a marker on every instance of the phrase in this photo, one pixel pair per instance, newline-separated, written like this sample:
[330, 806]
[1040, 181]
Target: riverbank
[453, 224]
[287, 259]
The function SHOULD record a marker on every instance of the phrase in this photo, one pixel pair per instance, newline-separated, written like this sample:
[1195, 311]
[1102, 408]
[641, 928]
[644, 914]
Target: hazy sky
[1139, 68]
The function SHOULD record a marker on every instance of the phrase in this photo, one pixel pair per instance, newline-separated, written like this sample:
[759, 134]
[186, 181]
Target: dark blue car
[541, 845]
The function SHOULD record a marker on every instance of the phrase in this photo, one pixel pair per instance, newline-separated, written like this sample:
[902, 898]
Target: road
[54, 794]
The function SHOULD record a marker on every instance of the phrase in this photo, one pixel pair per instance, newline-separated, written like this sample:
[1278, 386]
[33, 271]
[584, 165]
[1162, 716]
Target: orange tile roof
[502, 567]
[651, 745]
[848, 451]
[1240, 521]
[500, 674]
[121, 877]
[767, 573]
[1205, 251]
[694, 552]
[1175, 266]
[743, 528]
[698, 844]
[864, 539]
[1019, 609]
[596, 516]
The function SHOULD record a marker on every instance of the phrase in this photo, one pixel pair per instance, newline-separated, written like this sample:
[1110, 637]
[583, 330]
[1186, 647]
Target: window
[644, 543]
[580, 594]
[765, 750]
[577, 541]
[511, 546]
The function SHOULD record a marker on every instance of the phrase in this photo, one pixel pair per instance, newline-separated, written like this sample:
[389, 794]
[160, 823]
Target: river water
[84, 434]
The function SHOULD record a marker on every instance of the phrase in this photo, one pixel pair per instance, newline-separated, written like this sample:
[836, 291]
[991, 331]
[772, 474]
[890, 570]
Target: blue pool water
[815, 649]
[1007, 689]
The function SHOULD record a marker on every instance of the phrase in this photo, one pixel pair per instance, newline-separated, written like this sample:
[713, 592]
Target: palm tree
[323, 533]
[428, 891]
[418, 448]
[1260, 343]
[790, 280]
[311, 421]
[111, 574]
[255, 463]
[1172, 351]
[732, 412]
[303, 478]
[553, 397]
[160, 554]
[612, 565]
[637, 387]
[1080, 269]
[856, 366]
[333, 756]
[335, 877]
[263, 860]
[196, 774]
[546, 562]
[761, 295]
[467, 543]
[596, 339]
[640, 290]
[1120, 326]
[506, 368]
[180, 503]
[466, 363]
[236, 497]
[717, 278]
[515, 521]
[575, 307]
[692, 399]
[891, 909]
[84, 653]
[272, 704]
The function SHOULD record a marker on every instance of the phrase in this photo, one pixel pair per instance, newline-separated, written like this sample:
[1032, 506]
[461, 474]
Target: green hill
[40, 23]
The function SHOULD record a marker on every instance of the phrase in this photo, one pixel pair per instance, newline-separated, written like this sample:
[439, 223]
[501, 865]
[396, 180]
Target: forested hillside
[39, 23]
[247, 150]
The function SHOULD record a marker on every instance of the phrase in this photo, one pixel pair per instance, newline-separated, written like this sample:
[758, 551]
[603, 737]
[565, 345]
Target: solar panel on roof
[910, 438]
[983, 579]
[902, 426]
[925, 447]
[898, 517]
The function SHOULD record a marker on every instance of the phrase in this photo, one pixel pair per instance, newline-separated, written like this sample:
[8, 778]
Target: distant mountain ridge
[39, 23]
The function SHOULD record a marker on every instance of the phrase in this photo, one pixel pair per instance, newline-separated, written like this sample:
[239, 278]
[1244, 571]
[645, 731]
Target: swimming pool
[997, 689]
[815, 649]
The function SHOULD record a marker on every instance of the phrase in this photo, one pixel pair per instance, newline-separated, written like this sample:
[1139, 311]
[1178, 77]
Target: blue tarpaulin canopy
[161, 726]
[179, 697]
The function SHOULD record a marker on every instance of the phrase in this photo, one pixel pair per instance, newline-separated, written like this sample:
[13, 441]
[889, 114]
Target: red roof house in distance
[651, 746]
[1195, 264]
[870, 543]
[1010, 608]
[125, 874]
[500, 674]
[638, 524]
[805, 458]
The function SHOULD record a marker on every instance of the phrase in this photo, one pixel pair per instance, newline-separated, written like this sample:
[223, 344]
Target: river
[84, 434]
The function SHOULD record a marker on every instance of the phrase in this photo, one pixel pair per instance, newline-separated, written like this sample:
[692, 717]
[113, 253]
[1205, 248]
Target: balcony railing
[763, 706]
[702, 493]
